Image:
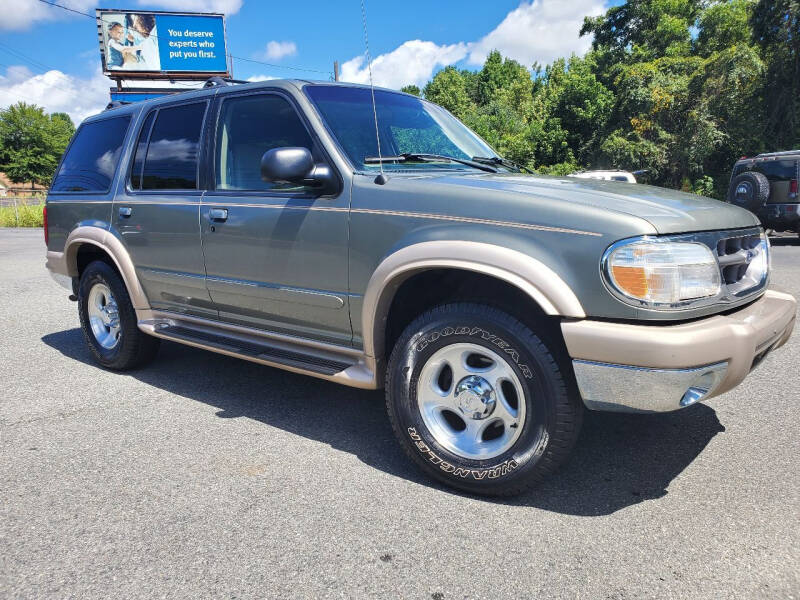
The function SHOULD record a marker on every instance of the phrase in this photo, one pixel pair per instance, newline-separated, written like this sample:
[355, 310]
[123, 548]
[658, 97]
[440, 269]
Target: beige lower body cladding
[652, 368]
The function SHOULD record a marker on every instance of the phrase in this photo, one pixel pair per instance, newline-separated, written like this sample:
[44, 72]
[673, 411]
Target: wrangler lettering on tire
[478, 401]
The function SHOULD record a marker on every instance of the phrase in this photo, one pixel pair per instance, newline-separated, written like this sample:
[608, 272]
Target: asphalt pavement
[206, 476]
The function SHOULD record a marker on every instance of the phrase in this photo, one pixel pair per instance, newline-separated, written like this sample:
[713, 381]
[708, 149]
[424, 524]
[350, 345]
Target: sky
[51, 57]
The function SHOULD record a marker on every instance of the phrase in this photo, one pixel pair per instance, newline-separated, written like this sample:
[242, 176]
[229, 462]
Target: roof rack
[222, 81]
[116, 104]
[782, 153]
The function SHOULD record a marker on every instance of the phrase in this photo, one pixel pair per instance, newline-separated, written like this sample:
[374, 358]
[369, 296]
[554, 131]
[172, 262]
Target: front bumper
[659, 368]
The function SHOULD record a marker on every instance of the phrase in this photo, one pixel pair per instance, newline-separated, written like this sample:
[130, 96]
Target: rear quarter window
[92, 157]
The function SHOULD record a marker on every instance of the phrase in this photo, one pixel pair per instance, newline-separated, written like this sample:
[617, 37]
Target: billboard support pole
[336, 70]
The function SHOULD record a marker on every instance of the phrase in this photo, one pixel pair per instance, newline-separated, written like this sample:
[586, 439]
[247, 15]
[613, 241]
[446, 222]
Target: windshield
[407, 125]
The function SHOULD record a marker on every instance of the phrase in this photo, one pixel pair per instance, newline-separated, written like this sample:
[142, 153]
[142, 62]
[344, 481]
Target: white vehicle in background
[606, 175]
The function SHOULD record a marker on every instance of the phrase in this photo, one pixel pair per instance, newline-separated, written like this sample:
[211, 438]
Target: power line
[252, 60]
[17, 54]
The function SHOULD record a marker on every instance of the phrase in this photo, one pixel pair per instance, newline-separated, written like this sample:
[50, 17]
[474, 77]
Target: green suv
[767, 185]
[265, 221]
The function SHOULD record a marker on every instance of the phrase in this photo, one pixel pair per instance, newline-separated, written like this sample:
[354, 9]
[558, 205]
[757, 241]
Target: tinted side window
[92, 157]
[248, 127]
[171, 160]
[139, 153]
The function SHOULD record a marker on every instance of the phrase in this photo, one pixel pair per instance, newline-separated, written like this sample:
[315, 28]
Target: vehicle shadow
[619, 460]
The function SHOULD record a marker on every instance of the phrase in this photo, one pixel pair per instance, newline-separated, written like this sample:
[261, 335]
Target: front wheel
[478, 400]
[108, 320]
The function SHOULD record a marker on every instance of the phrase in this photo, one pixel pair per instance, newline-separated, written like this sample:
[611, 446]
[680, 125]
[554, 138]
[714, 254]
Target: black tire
[552, 415]
[134, 348]
[749, 190]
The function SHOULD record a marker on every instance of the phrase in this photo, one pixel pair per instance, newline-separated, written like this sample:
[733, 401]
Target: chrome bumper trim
[622, 388]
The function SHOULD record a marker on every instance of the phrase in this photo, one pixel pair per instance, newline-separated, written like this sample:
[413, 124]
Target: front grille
[743, 262]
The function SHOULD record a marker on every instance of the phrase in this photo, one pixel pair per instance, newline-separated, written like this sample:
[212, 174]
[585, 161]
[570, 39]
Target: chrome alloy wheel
[471, 401]
[104, 316]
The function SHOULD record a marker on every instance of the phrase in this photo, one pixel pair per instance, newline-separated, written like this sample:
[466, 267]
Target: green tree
[32, 142]
[411, 89]
[723, 25]
[776, 30]
[645, 29]
[578, 101]
[448, 89]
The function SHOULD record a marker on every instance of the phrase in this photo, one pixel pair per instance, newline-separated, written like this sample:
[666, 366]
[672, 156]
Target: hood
[667, 211]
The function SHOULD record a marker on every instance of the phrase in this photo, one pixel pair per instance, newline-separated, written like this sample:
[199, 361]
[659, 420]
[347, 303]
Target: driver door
[275, 254]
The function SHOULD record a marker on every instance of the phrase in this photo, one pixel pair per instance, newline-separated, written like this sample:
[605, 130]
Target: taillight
[793, 187]
[46, 232]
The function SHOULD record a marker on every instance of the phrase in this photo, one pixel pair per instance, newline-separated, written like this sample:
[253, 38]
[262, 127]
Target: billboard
[147, 45]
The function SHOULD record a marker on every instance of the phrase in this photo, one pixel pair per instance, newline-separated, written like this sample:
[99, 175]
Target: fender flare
[66, 262]
[537, 280]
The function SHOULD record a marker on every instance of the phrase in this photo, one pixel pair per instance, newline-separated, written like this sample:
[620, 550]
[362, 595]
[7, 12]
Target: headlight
[661, 273]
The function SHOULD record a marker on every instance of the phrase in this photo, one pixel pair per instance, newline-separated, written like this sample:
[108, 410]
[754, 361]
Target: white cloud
[412, 62]
[278, 50]
[255, 78]
[535, 31]
[27, 12]
[55, 91]
[539, 31]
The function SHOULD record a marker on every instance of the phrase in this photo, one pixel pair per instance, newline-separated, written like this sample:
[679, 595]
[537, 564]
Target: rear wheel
[108, 320]
[478, 400]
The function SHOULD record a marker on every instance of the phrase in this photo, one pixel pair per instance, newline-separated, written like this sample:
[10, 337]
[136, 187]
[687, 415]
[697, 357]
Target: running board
[324, 366]
[343, 365]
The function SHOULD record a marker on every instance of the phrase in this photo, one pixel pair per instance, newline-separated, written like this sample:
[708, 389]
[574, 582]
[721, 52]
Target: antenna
[381, 179]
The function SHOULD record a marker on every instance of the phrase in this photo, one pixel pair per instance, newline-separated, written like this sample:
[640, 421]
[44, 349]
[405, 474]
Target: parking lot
[205, 476]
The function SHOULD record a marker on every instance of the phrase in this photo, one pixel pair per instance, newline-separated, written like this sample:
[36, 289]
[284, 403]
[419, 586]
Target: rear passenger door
[276, 254]
[157, 212]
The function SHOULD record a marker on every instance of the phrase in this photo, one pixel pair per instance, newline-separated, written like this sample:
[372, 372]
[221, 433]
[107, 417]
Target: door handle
[125, 211]
[218, 214]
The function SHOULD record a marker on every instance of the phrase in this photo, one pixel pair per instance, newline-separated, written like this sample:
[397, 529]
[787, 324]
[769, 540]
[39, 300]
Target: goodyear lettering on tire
[484, 335]
[478, 474]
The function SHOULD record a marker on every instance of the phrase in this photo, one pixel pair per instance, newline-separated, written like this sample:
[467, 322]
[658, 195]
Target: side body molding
[66, 263]
[533, 277]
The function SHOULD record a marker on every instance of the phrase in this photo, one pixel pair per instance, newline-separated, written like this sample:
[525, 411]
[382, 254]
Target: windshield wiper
[412, 156]
[503, 162]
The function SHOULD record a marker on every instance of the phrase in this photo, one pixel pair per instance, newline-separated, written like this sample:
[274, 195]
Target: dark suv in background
[767, 185]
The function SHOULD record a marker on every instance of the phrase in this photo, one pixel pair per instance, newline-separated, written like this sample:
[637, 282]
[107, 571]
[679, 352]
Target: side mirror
[296, 165]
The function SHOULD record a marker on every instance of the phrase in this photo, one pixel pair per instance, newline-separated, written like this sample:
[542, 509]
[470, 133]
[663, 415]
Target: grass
[25, 215]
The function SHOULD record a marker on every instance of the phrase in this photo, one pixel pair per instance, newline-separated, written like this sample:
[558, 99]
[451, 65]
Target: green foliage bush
[29, 215]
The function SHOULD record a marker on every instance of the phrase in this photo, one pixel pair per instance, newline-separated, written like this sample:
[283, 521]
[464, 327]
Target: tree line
[680, 88]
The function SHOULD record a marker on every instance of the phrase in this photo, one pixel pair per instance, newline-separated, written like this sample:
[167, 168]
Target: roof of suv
[783, 154]
[132, 107]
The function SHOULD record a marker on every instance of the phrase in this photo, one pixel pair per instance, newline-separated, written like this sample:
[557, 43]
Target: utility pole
[336, 70]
